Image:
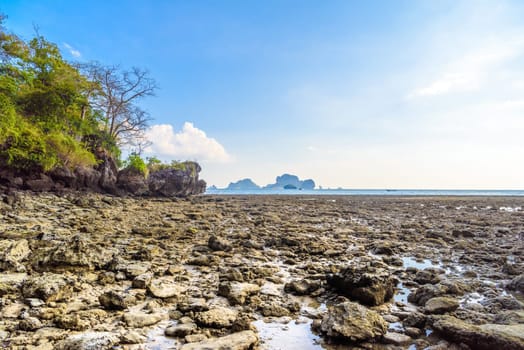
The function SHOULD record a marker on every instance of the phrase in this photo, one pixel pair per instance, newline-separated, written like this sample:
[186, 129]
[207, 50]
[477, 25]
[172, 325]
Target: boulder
[440, 305]
[132, 181]
[89, 341]
[138, 319]
[483, 337]
[517, 284]
[112, 300]
[217, 317]
[12, 253]
[164, 287]
[10, 283]
[181, 330]
[237, 292]
[370, 288]
[179, 181]
[79, 253]
[217, 243]
[237, 341]
[48, 287]
[353, 322]
[302, 287]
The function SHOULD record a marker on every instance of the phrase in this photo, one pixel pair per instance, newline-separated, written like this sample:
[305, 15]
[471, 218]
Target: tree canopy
[59, 113]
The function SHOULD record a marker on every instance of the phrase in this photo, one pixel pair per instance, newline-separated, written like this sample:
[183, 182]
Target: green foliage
[136, 163]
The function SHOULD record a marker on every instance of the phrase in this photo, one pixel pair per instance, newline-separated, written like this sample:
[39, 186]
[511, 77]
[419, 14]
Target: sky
[353, 94]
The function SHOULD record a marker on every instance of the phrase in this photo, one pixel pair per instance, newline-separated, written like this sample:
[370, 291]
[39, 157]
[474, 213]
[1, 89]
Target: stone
[30, 324]
[302, 287]
[517, 284]
[77, 254]
[13, 253]
[48, 287]
[244, 340]
[89, 341]
[11, 283]
[370, 288]
[133, 337]
[483, 337]
[112, 300]
[178, 181]
[353, 322]
[218, 243]
[138, 319]
[396, 338]
[142, 281]
[217, 317]
[440, 305]
[274, 309]
[237, 292]
[165, 288]
[181, 330]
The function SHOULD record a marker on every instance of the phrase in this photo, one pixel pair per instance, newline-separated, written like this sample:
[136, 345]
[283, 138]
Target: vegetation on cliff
[56, 114]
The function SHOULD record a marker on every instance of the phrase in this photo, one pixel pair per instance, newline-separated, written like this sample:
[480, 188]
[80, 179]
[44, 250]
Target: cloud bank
[190, 143]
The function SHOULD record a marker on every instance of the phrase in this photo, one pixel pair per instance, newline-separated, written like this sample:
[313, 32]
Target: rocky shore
[93, 271]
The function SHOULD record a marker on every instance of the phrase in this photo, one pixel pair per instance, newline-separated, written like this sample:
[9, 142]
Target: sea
[367, 192]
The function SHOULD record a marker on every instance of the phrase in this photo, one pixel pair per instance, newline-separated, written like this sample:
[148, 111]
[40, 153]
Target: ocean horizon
[368, 192]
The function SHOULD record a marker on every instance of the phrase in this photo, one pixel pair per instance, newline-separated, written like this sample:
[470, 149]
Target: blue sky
[356, 94]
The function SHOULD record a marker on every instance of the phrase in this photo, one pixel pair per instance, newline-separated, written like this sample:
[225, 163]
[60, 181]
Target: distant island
[283, 182]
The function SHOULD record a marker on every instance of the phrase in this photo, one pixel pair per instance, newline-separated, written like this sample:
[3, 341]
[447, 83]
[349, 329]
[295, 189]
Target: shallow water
[157, 340]
[409, 261]
[290, 336]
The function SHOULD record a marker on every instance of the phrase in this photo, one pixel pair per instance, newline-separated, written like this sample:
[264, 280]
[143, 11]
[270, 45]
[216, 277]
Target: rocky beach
[93, 271]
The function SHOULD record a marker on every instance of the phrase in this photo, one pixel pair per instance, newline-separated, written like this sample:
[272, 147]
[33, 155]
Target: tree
[116, 97]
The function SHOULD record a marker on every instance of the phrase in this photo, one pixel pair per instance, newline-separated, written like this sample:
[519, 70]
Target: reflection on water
[290, 336]
[420, 264]
[402, 294]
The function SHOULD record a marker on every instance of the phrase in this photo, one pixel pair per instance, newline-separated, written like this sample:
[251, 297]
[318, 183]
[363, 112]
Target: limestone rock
[370, 288]
[165, 288]
[517, 284]
[48, 287]
[302, 287]
[12, 253]
[112, 300]
[217, 243]
[483, 337]
[353, 322]
[10, 283]
[217, 317]
[237, 341]
[396, 338]
[89, 341]
[181, 330]
[138, 319]
[440, 305]
[237, 292]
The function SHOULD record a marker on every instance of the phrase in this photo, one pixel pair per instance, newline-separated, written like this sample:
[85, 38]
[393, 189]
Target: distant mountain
[243, 185]
[288, 181]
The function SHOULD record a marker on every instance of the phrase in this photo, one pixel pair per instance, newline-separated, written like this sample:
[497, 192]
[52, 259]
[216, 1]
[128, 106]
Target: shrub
[136, 163]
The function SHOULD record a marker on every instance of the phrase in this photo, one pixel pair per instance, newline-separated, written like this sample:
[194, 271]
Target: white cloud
[472, 70]
[190, 143]
[72, 50]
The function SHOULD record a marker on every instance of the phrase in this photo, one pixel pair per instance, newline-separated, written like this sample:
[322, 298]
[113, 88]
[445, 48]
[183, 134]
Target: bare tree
[116, 98]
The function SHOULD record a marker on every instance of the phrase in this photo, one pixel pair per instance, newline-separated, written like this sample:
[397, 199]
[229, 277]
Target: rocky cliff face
[181, 181]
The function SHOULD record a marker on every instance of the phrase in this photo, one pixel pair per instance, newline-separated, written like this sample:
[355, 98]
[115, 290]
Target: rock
[517, 284]
[89, 341]
[483, 337]
[132, 181]
[180, 181]
[237, 341]
[112, 300]
[12, 253]
[217, 243]
[510, 317]
[30, 324]
[426, 276]
[138, 319]
[422, 294]
[165, 288]
[142, 281]
[237, 292]
[77, 254]
[396, 338]
[13, 310]
[366, 287]
[48, 287]
[10, 283]
[274, 309]
[353, 322]
[181, 330]
[217, 317]
[132, 337]
[440, 305]
[302, 287]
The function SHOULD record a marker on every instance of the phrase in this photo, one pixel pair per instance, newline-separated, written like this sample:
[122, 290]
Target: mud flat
[284, 272]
